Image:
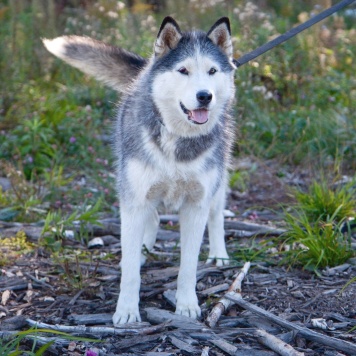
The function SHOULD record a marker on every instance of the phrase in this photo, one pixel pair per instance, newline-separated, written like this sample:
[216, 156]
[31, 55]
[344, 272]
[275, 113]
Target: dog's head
[193, 76]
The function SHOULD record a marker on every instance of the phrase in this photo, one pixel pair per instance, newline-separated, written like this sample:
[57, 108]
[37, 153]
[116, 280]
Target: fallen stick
[276, 344]
[160, 316]
[223, 304]
[225, 346]
[98, 330]
[311, 335]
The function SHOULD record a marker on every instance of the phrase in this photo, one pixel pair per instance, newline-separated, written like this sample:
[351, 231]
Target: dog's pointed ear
[220, 34]
[168, 36]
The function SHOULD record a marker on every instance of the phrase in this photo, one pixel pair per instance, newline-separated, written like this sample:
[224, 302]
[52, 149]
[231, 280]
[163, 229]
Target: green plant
[13, 247]
[54, 229]
[239, 180]
[23, 200]
[321, 202]
[12, 346]
[318, 244]
[35, 144]
[74, 275]
[256, 251]
[351, 281]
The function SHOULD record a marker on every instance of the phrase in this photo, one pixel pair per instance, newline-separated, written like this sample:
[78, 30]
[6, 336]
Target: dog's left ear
[220, 34]
[168, 36]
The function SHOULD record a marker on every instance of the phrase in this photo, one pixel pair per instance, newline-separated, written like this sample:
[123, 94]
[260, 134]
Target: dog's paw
[190, 310]
[123, 316]
[222, 260]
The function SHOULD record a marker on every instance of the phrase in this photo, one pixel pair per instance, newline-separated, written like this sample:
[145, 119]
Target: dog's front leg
[217, 248]
[192, 222]
[133, 222]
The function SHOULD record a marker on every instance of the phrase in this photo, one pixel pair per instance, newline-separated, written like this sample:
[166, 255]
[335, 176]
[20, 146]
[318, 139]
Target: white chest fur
[162, 179]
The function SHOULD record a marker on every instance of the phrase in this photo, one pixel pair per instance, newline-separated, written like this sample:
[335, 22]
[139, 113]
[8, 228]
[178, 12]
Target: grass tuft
[316, 245]
[321, 202]
[318, 226]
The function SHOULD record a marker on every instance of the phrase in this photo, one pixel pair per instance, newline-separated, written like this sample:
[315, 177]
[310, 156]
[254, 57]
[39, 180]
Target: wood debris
[38, 291]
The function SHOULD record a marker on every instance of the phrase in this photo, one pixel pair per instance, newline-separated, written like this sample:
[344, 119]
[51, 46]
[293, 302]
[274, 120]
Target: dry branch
[95, 331]
[155, 315]
[182, 345]
[225, 346]
[90, 319]
[224, 303]
[276, 344]
[305, 332]
[250, 229]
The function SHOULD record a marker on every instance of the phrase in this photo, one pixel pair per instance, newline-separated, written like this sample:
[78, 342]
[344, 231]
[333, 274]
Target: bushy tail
[114, 66]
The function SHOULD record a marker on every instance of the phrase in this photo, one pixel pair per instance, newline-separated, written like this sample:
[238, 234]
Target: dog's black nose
[204, 97]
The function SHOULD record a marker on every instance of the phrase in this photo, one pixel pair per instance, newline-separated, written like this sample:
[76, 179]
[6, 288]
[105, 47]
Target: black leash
[291, 33]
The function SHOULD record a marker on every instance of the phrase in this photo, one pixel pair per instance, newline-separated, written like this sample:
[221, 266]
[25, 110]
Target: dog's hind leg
[192, 221]
[133, 222]
[149, 237]
[217, 248]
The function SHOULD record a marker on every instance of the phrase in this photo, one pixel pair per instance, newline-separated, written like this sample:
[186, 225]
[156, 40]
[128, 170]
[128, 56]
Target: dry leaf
[29, 295]
[5, 297]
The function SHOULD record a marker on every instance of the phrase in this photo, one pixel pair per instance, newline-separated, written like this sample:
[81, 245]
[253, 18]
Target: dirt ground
[39, 287]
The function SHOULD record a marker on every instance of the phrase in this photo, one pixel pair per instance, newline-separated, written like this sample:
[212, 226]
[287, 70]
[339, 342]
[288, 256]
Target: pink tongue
[200, 116]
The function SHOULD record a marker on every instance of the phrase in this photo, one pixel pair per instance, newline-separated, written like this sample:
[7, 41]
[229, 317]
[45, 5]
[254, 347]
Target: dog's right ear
[168, 36]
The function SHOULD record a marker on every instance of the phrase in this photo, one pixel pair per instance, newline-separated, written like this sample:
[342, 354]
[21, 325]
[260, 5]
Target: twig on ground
[303, 331]
[74, 299]
[225, 346]
[276, 344]
[43, 284]
[245, 229]
[155, 316]
[154, 329]
[242, 350]
[181, 345]
[98, 330]
[224, 303]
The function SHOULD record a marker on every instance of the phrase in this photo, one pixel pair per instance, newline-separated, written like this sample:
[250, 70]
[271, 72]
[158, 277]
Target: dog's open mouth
[197, 116]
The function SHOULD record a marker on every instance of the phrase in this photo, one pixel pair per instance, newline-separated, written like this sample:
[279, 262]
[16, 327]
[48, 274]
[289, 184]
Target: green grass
[321, 202]
[318, 225]
[319, 244]
[12, 343]
[257, 251]
[56, 223]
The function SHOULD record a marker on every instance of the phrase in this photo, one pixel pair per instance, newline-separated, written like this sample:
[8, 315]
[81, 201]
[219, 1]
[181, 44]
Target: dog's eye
[212, 71]
[183, 70]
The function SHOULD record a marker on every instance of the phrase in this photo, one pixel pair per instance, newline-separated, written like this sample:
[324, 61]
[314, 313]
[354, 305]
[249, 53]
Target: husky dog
[172, 145]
